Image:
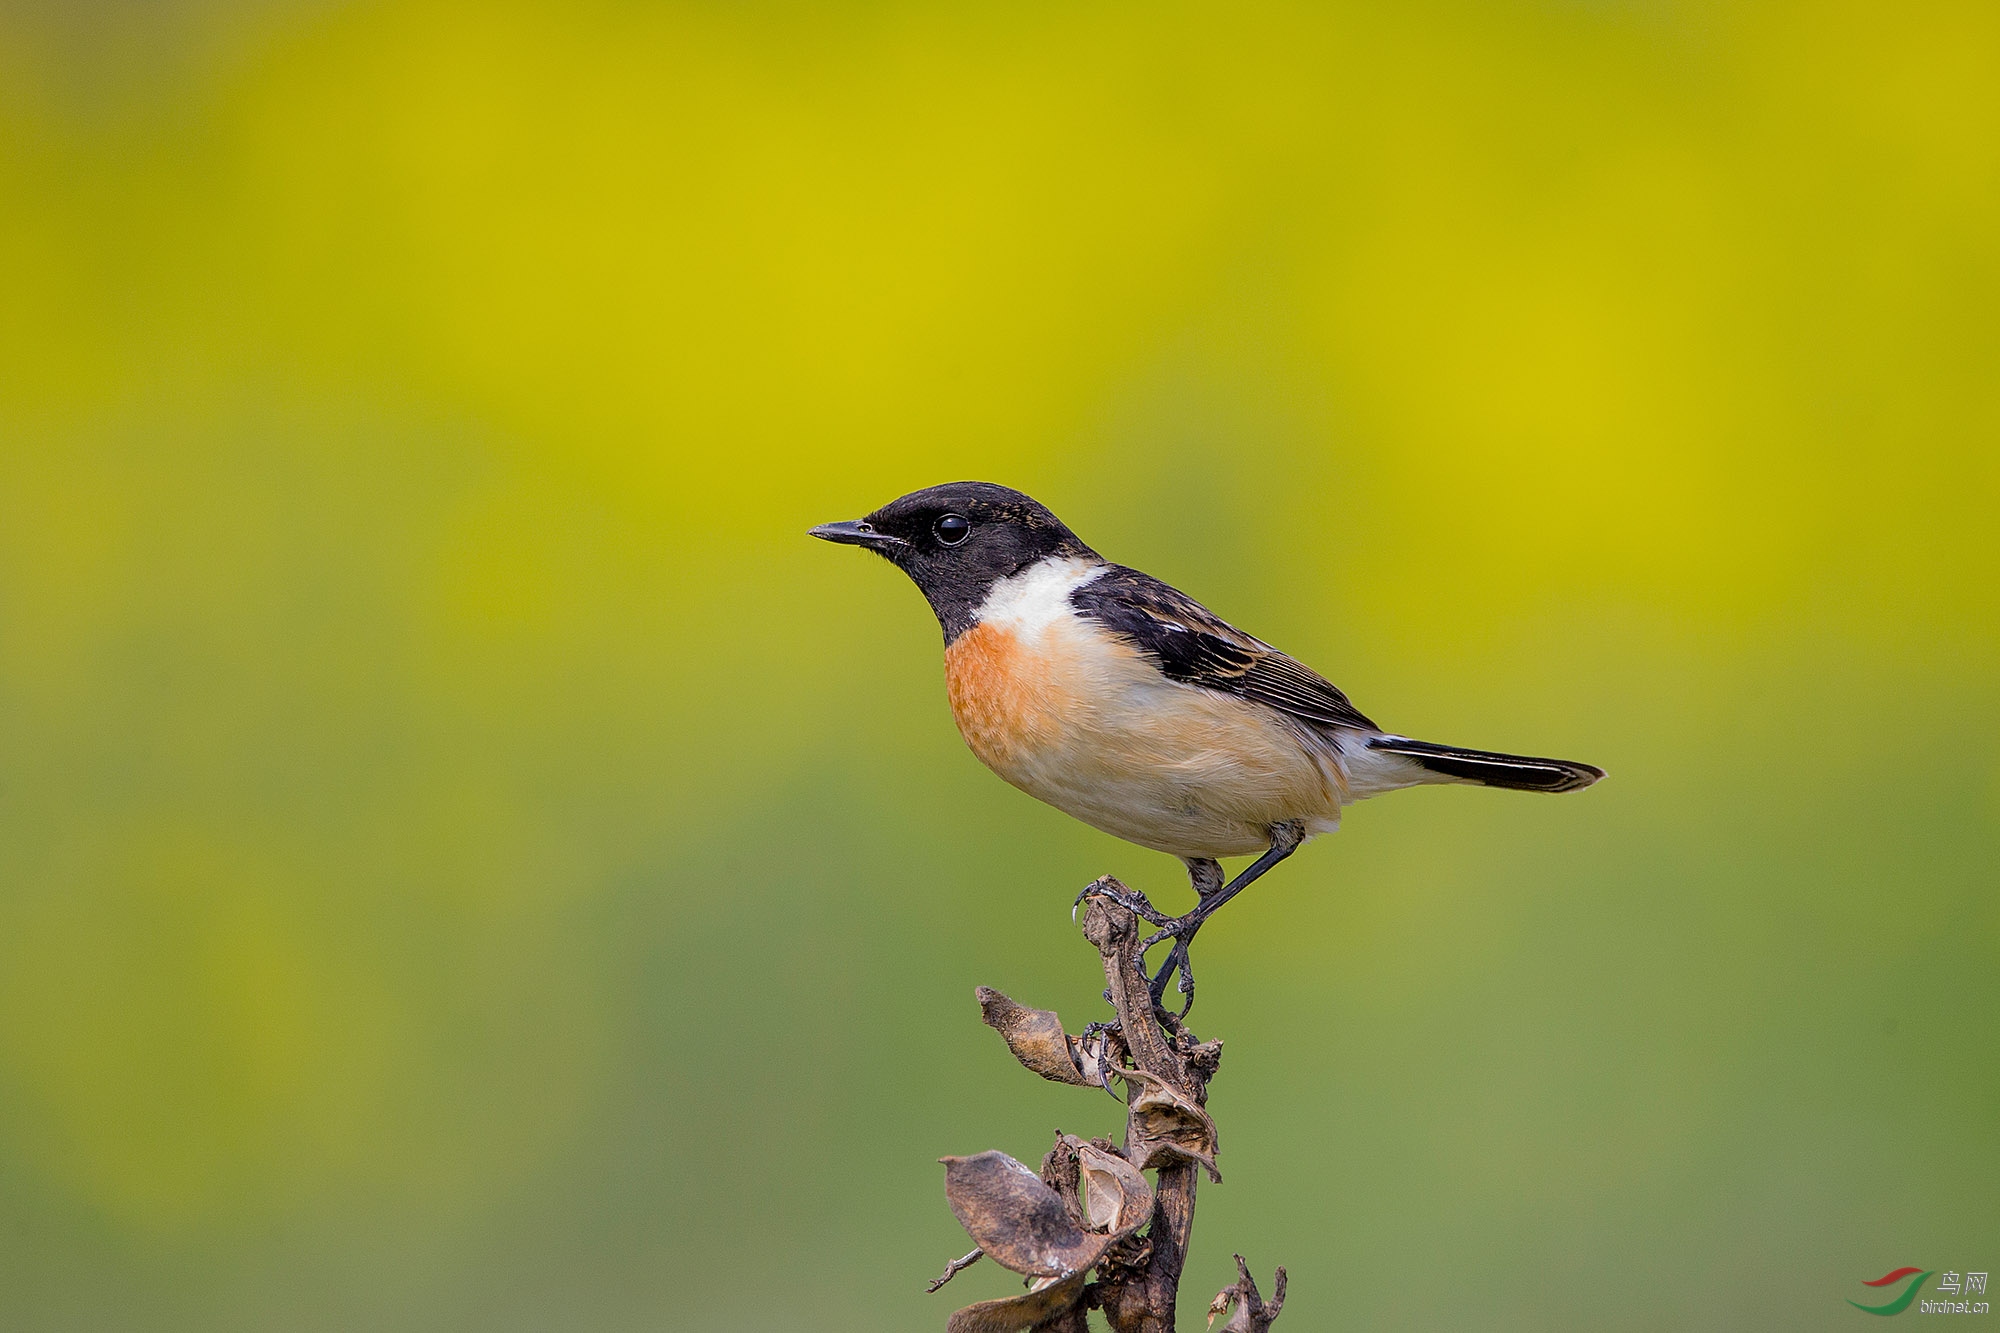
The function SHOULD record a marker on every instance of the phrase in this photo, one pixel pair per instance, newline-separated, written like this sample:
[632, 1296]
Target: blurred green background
[467, 860]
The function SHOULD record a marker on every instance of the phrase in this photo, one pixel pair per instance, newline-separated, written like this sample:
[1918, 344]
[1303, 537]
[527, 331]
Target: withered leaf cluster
[1023, 1224]
[1084, 1211]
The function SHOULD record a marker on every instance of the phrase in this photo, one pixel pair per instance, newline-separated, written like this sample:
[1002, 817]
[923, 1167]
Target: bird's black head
[957, 540]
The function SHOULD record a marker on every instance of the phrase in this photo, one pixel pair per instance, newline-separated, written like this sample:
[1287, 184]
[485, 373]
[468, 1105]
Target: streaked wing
[1197, 647]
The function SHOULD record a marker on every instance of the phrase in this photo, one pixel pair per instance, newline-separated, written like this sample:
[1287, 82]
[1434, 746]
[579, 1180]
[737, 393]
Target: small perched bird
[1129, 705]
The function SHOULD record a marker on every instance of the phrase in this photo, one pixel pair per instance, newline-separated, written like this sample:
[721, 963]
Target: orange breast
[1001, 696]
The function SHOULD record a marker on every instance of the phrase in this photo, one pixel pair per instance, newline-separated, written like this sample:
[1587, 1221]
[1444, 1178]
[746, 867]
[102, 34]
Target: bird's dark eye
[951, 529]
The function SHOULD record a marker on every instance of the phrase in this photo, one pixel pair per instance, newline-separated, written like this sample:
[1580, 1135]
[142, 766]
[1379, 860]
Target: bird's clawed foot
[1103, 1046]
[1135, 903]
[1181, 931]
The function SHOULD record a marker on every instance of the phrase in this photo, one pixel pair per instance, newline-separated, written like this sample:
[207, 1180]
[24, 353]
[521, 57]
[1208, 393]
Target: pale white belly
[1075, 717]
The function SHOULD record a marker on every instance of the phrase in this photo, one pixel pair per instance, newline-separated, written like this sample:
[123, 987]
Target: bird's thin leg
[1205, 878]
[1286, 838]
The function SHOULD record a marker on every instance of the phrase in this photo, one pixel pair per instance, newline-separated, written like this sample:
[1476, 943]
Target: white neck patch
[1034, 599]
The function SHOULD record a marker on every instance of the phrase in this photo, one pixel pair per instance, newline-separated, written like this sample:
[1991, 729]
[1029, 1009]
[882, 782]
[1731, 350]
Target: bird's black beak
[856, 533]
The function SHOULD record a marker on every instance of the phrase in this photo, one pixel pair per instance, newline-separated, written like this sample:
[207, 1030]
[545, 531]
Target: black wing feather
[1197, 647]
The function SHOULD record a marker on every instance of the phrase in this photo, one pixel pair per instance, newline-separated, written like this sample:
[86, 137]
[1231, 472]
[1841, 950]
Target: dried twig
[1252, 1314]
[954, 1268]
[1142, 1300]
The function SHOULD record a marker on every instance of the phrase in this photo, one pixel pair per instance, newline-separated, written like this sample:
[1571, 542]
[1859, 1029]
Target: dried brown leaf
[1014, 1217]
[1007, 1210]
[1035, 1036]
[1116, 1198]
[1015, 1313]
[1168, 1127]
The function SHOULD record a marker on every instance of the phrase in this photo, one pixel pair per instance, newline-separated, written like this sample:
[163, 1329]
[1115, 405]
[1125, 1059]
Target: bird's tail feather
[1488, 769]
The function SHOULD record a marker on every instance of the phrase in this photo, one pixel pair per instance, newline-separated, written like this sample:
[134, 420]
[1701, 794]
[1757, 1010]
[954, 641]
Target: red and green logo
[1902, 1302]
